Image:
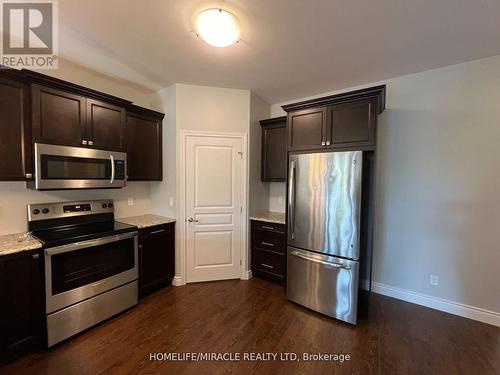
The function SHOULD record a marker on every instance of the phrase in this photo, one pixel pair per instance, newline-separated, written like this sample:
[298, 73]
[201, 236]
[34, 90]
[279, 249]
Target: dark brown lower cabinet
[268, 251]
[156, 257]
[20, 311]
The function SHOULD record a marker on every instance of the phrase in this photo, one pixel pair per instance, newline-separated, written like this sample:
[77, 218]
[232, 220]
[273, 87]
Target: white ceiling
[289, 48]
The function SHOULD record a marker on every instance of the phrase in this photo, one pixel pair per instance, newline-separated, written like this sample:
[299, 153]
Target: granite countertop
[15, 243]
[270, 217]
[145, 221]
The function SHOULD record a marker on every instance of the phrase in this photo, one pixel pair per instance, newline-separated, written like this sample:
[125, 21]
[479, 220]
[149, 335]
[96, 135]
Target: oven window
[54, 167]
[89, 265]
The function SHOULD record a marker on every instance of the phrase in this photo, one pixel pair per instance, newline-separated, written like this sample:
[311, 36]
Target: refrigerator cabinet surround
[324, 283]
[324, 201]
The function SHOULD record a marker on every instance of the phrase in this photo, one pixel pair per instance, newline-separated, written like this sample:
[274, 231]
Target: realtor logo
[29, 34]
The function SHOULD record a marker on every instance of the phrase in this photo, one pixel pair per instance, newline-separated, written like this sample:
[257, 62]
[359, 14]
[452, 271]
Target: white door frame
[180, 275]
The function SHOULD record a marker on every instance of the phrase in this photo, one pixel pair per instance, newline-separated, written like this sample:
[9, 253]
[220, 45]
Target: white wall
[258, 191]
[71, 72]
[438, 180]
[14, 196]
[163, 191]
[202, 108]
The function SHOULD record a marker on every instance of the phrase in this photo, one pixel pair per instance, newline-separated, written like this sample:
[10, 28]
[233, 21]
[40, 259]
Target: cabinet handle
[29, 175]
[36, 256]
[267, 265]
[266, 227]
[91, 143]
[323, 143]
[157, 231]
[140, 247]
[267, 244]
[328, 143]
[84, 142]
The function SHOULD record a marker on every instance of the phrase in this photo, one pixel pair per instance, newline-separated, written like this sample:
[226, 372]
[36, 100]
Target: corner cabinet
[144, 145]
[21, 314]
[156, 257]
[15, 134]
[343, 121]
[273, 158]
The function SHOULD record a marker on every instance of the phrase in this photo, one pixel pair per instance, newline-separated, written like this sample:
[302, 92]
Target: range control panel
[44, 211]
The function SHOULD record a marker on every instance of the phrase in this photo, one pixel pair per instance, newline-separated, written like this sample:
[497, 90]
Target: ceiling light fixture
[218, 27]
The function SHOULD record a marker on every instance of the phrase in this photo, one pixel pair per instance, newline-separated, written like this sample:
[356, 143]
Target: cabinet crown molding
[375, 91]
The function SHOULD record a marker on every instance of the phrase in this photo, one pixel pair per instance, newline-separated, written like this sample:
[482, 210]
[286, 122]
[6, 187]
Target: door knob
[191, 220]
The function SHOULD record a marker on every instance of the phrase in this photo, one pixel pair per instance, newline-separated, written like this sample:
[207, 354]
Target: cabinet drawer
[268, 261]
[267, 240]
[263, 225]
[157, 230]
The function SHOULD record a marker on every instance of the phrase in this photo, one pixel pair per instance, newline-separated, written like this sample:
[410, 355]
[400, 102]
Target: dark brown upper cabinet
[343, 121]
[15, 134]
[105, 125]
[307, 129]
[144, 145]
[352, 124]
[58, 116]
[273, 167]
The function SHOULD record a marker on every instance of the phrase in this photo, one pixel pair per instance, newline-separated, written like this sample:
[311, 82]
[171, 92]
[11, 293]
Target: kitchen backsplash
[14, 196]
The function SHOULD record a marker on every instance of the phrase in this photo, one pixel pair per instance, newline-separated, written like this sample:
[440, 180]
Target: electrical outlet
[434, 280]
[280, 199]
[130, 201]
[171, 202]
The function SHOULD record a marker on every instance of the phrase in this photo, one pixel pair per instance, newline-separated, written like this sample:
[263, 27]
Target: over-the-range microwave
[63, 167]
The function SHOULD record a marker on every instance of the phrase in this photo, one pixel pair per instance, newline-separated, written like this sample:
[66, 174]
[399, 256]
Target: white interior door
[214, 192]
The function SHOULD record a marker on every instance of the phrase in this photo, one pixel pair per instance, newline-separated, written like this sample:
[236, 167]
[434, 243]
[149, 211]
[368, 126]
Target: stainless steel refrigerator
[323, 244]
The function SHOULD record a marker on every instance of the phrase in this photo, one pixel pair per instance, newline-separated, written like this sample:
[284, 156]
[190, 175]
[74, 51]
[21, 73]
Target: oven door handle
[90, 243]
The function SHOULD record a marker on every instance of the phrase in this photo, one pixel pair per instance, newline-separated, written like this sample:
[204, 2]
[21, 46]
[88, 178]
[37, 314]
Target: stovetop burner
[79, 233]
[56, 224]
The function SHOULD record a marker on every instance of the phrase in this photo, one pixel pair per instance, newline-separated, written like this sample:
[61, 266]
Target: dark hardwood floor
[254, 316]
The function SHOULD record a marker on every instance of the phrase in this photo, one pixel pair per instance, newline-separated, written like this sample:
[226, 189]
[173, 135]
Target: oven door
[78, 271]
[62, 167]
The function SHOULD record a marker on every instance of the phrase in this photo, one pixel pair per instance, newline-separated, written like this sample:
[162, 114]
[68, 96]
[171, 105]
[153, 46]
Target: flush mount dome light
[218, 27]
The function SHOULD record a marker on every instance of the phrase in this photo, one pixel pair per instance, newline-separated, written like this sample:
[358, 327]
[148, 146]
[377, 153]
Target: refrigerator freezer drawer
[323, 283]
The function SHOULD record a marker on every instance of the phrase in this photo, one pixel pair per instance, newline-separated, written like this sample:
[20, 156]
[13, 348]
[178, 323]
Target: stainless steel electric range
[90, 261]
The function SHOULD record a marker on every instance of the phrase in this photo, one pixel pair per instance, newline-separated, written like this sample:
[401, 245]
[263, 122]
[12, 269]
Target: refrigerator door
[324, 202]
[323, 283]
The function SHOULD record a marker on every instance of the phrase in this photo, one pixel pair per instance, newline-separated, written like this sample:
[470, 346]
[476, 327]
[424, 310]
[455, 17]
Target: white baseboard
[246, 275]
[471, 312]
[178, 281]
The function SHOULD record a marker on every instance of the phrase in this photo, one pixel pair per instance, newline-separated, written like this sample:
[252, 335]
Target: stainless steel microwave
[63, 167]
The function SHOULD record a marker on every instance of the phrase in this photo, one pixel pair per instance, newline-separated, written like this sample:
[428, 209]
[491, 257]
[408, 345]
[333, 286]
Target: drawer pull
[266, 227]
[267, 244]
[266, 265]
[157, 231]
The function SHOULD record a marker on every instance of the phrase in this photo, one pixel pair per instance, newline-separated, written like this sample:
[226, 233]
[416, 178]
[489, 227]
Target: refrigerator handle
[291, 200]
[325, 263]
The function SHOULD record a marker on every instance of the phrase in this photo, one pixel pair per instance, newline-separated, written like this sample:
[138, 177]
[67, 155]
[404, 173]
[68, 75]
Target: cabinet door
[353, 124]
[307, 129]
[21, 307]
[156, 258]
[58, 116]
[144, 148]
[274, 152]
[105, 125]
[15, 135]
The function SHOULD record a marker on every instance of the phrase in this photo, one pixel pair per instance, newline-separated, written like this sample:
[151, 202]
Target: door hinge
[240, 262]
[241, 154]
[241, 208]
